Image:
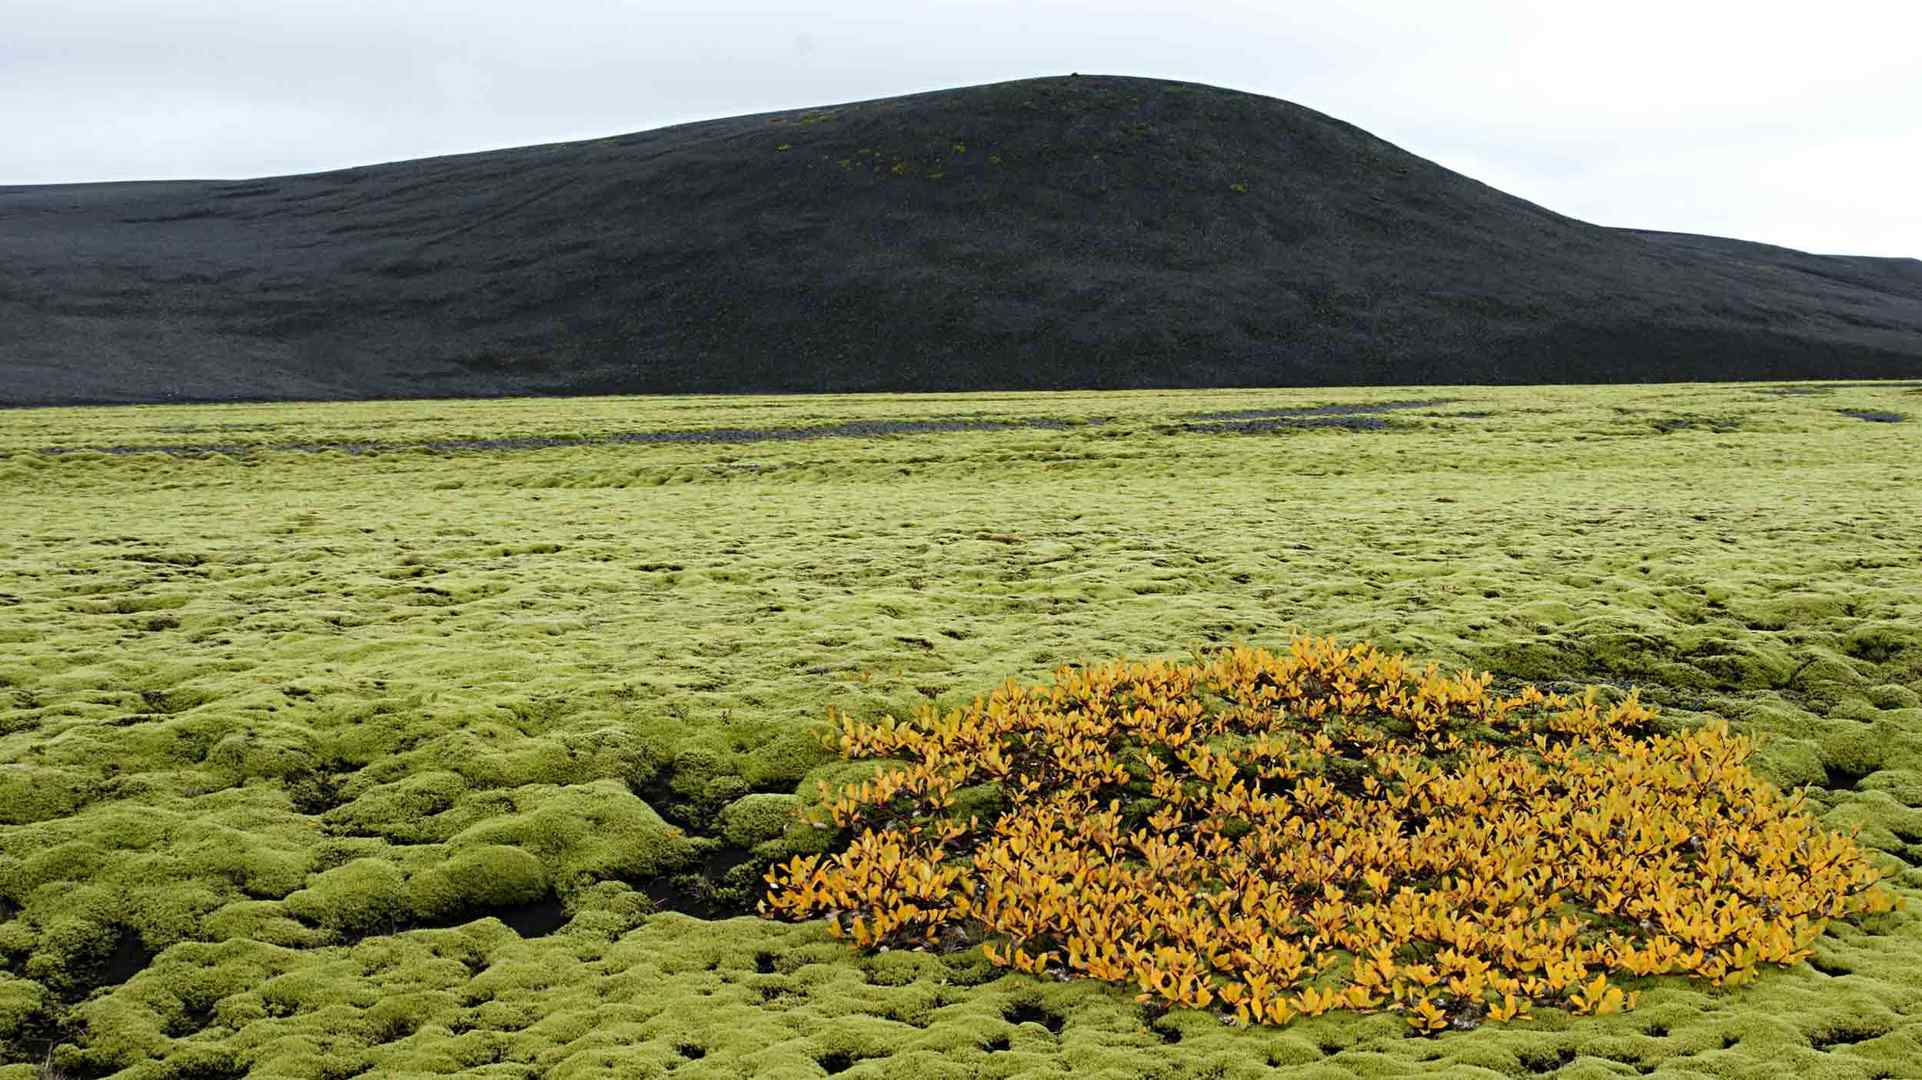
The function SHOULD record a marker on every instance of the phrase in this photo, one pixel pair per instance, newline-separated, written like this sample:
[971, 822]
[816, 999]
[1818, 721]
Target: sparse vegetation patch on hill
[1089, 232]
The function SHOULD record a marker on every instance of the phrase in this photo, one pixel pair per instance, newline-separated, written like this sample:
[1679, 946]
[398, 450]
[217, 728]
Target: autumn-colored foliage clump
[1327, 828]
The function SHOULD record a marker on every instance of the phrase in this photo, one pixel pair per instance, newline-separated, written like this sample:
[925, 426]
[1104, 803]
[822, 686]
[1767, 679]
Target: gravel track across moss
[317, 763]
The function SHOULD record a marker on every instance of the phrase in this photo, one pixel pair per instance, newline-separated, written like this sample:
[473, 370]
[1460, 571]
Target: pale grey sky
[1795, 124]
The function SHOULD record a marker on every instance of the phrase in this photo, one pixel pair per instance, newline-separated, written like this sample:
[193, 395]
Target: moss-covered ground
[423, 738]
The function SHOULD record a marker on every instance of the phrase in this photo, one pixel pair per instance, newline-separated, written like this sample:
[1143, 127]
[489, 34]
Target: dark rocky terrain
[1082, 231]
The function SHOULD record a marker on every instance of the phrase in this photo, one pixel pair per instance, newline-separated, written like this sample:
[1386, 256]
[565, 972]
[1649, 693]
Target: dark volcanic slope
[1067, 232]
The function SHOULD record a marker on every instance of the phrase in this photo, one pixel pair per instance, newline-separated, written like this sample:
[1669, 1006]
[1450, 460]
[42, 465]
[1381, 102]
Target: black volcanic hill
[1063, 232]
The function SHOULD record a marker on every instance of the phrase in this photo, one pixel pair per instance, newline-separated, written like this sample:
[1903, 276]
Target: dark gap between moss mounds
[129, 957]
[727, 881]
[1875, 416]
[1033, 1012]
[1721, 425]
[1847, 1033]
[534, 919]
[681, 811]
[36, 1031]
[1541, 1059]
[196, 1012]
[851, 429]
[839, 1061]
[217, 1065]
[707, 892]
[1829, 968]
[126, 957]
[315, 791]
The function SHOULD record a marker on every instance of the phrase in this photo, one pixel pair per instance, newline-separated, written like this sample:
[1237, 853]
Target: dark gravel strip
[1254, 427]
[853, 429]
[1318, 410]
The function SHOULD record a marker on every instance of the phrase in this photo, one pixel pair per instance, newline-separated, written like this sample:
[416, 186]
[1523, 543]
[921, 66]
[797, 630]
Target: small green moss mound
[587, 833]
[73, 949]
[478, 879]
[1894, 696]
[22, 1004]
[751, 819]
[365, 896]
[29, 795]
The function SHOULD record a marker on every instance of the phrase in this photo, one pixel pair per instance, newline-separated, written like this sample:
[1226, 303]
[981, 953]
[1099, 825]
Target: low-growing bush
[1282, 835]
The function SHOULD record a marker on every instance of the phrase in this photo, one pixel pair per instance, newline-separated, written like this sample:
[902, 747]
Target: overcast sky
[1800, 127]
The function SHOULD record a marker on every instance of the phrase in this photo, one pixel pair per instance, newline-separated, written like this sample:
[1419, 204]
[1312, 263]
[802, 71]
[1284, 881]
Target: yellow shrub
[1281, 835]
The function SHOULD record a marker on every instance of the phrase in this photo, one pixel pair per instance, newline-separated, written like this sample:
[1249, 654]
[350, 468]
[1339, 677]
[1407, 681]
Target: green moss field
[422, 739]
